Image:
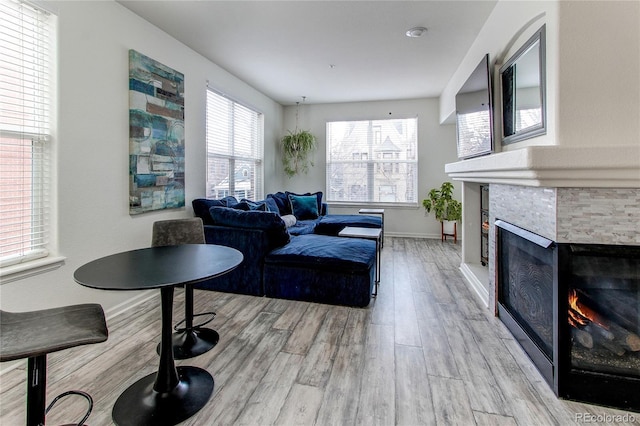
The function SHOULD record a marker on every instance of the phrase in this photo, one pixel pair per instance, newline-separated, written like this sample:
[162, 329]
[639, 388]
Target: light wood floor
[424, 352]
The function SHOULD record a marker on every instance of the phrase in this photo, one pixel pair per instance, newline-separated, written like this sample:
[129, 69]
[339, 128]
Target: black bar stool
[188, 340]
[34, 334]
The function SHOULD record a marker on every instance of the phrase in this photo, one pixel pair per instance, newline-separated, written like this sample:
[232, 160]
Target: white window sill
[373, 205]
[31, 268]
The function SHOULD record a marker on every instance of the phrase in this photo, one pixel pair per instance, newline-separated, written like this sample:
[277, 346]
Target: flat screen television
[474, 113]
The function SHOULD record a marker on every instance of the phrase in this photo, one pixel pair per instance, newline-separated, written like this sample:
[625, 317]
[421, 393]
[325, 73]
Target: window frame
[27, 121]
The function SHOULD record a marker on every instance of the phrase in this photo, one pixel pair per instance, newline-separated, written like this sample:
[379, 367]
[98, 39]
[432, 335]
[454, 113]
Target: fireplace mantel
[554, 167]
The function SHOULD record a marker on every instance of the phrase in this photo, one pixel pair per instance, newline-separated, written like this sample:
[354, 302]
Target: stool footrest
[180, 329]
[74, 392]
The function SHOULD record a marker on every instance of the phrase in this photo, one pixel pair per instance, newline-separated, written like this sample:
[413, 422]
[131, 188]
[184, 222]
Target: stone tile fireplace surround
[565, 215]
[572, 196]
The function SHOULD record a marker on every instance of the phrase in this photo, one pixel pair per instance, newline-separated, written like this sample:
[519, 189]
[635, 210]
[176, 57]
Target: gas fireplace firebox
[575, 310]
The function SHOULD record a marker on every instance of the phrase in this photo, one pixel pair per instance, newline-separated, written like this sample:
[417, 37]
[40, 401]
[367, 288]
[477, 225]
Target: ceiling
[326, 51]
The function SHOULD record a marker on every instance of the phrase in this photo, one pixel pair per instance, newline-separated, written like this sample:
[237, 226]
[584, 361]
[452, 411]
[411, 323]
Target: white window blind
[372, 161]
[234, 149]
[475, 129]
[528, 118]
[25, 114]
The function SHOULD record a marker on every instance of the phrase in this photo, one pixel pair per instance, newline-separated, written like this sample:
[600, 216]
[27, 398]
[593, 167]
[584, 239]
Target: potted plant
[296, 147]
[446, 209]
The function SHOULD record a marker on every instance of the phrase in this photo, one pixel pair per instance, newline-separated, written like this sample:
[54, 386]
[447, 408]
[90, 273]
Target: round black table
[171, 395]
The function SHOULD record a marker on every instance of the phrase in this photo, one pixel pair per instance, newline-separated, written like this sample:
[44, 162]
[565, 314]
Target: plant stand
[449, 234]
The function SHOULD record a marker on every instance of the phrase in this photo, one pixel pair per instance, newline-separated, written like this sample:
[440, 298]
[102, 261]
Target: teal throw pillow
[304, 206]
[317, 194]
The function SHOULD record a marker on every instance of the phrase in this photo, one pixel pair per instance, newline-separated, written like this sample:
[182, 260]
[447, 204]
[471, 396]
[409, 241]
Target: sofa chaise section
[322, 269]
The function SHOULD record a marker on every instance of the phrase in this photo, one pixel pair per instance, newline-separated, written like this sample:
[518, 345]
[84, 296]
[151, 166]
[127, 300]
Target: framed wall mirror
[523, 81]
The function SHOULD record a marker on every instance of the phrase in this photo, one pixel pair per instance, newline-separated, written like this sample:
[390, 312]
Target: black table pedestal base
[140, 405]
[193, 342]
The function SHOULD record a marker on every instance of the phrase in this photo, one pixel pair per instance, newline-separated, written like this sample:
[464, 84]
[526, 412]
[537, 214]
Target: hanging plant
[296, 147]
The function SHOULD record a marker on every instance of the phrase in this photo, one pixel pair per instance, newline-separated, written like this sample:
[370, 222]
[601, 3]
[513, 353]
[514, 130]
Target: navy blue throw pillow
[229, 200]
[255, 205]
[201, 208]
[272, 206]
[282, 201]
[239, 206]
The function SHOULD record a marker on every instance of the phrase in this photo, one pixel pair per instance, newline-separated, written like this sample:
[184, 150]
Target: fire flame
[576, 317]
[580, 314]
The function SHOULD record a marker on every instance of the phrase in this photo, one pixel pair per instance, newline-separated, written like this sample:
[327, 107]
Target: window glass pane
[245, 182]
[372, 161]
[234, 149]
[26, 40]
[217, 177]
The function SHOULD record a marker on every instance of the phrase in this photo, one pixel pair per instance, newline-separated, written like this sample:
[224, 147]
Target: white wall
[436, 146]
[599, 73]
[92, 144]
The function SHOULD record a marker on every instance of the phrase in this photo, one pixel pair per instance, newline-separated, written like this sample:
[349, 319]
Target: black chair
[190, 340]
[34, 334]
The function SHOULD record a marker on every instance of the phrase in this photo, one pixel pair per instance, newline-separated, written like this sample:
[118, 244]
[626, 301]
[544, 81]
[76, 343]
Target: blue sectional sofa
[291, 249]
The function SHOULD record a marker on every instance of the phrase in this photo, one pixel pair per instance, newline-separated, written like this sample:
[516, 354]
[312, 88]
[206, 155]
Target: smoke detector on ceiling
[416, 32]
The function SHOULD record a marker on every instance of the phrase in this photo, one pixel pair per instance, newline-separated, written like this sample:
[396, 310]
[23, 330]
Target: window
[372, 161]
[234, 149]
[26, 43]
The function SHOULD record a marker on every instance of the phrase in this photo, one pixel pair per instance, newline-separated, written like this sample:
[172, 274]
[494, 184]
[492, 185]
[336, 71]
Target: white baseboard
[129, 304]
[474, 274]
[414, 235]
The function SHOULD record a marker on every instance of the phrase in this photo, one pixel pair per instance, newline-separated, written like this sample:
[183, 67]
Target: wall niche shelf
[484, 225]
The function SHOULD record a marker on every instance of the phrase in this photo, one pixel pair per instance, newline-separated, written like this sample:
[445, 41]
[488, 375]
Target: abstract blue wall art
[156, 135]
